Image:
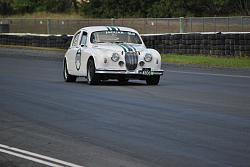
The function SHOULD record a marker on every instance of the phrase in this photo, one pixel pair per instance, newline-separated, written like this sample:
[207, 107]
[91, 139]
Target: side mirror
[83, 45]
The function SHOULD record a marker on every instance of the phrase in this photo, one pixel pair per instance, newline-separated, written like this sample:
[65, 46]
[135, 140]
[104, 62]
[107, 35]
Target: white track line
[30, 158]
[211, 74]
[35, 155]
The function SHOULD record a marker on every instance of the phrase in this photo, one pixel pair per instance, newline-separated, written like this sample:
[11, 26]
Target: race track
[196, 116]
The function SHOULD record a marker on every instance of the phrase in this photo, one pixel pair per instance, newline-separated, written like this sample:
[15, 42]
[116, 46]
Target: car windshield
[115, 37]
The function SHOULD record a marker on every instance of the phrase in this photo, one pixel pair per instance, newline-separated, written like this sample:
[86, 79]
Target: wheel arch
[91, 57]
[65, 60]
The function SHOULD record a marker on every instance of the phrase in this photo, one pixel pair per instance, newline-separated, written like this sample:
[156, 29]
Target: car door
[74, 58]
[84, 53]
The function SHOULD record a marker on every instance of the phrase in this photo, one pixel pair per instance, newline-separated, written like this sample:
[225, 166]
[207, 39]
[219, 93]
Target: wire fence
[143, 25]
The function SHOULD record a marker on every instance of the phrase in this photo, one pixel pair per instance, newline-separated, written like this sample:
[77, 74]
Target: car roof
[110, 28]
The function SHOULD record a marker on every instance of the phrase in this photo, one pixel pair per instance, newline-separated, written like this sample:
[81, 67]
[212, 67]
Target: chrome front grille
[131, 59]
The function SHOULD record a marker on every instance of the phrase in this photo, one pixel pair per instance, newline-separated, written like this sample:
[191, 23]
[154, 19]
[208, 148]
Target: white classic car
[108, 52]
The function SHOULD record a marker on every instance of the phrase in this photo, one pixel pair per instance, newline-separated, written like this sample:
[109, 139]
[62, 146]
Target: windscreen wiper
[118, 42]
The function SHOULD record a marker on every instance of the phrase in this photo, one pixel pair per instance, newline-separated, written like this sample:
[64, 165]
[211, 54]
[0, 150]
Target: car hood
[120, 47]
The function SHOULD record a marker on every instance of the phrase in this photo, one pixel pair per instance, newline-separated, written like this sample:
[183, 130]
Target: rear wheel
[153, 80]
[91, 75]
[66, 75]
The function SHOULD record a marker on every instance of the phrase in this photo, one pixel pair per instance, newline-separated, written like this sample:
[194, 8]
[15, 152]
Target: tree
[117, 8]
[168, 8]
[56, 5]
[75, 4]
[130, 8]
[5, 7]
[242, 7]
[29, 6]
[24, 6]
[177, 8]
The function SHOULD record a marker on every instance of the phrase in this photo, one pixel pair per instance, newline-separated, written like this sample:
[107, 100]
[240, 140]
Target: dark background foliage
[129, 8]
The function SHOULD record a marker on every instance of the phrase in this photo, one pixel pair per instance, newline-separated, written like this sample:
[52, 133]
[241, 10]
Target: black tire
[66, 75]
[92, 77]
[153, 80]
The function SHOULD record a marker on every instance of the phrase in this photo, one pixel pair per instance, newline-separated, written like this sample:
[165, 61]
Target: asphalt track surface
[192, 118]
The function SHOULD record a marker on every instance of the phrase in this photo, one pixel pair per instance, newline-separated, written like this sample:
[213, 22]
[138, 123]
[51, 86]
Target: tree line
[129, 8]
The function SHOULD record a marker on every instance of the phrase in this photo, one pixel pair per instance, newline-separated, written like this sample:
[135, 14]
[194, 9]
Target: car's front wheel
[153, 80]
[66, 75]
[91, 75]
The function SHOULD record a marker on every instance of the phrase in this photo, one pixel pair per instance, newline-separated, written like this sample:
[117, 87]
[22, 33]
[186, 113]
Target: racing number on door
[78, 59]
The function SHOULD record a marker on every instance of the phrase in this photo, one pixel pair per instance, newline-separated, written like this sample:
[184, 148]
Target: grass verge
[211, 61]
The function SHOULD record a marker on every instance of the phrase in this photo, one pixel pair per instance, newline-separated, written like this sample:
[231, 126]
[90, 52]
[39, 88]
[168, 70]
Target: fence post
[203, 24]
[168, 25]
[241, 21]
[112, 21]
[181, 24]
[48, 26]
[191, 24]
[156, 25]
[215, 27]
[228, 24]
[144, 26]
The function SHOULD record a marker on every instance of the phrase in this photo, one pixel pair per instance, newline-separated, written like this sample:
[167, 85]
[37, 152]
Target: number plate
[146, 71]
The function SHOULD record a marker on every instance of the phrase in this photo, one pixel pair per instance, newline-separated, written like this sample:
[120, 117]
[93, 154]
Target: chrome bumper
[125, 72]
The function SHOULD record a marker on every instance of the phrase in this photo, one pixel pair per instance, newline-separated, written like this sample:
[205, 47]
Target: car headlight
[148, 57]
[115, 57]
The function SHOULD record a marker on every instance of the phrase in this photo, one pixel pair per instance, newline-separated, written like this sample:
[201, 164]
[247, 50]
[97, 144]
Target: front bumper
[126, 72]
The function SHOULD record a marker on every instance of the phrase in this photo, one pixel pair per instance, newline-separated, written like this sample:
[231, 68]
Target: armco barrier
[4, 28]
[36, 40]
[224, 44]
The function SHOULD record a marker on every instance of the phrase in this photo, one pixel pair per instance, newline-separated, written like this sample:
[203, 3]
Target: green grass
[211, 61]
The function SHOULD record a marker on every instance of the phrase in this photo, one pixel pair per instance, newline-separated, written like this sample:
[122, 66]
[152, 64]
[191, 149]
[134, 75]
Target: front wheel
[66, 75]
[153, 80]
[91, 75]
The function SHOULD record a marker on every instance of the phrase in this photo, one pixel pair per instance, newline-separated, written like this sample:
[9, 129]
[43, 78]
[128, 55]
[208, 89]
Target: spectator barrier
[223, 44]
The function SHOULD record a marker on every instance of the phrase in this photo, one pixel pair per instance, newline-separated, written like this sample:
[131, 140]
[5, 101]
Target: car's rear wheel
[66, 75]
[153, 80]
[92, 77]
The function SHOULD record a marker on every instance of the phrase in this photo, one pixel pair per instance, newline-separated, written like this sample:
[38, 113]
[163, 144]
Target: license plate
[146, 71]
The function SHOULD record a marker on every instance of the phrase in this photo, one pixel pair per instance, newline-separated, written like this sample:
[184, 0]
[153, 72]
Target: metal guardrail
[223, 44]
[143, 25]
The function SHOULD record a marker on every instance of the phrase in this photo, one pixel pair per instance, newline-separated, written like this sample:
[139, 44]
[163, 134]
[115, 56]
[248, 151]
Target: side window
[76, 38]
[84, 39]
